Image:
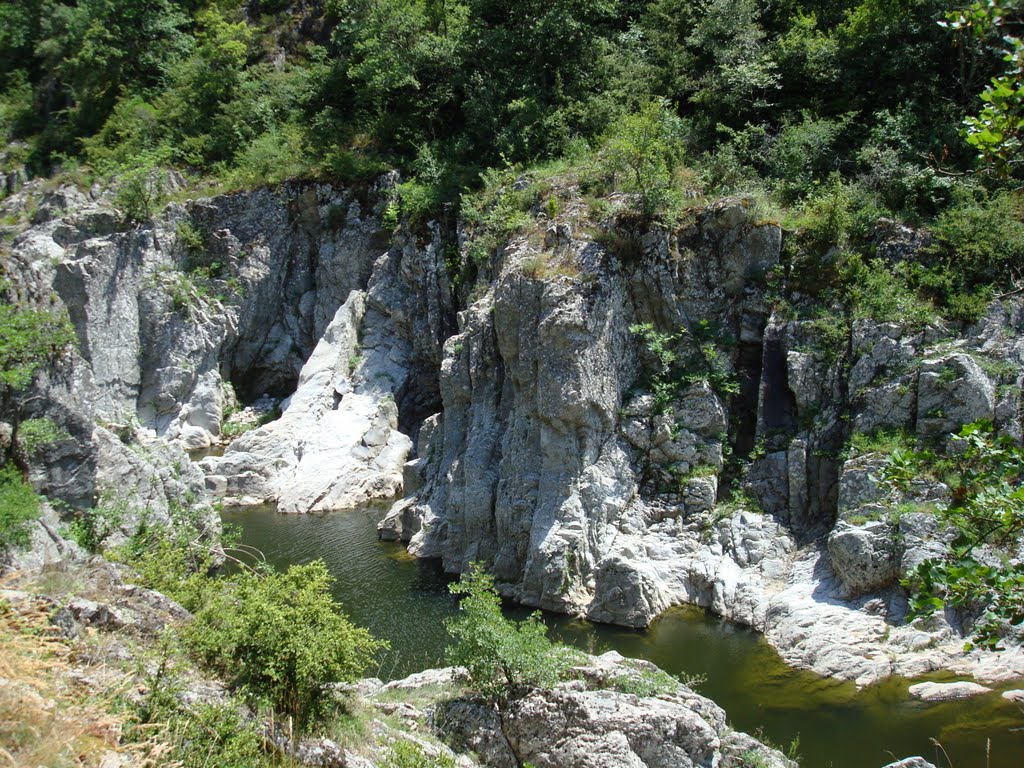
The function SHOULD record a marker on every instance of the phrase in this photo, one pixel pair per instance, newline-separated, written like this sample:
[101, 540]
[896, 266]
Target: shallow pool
[406, 601]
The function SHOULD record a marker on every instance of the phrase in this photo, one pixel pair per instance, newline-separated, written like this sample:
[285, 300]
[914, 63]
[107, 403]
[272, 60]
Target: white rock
[946, 691]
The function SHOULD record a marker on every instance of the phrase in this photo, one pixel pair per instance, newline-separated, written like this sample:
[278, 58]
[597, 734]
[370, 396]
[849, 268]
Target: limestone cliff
[554, 461]
[552, 442]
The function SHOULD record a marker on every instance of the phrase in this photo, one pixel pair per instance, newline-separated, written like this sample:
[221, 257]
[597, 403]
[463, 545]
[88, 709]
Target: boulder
[910, 762]
[953, 390]
[864, 557]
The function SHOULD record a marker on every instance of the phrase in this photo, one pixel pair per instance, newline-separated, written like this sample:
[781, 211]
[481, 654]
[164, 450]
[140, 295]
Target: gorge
[522, 404]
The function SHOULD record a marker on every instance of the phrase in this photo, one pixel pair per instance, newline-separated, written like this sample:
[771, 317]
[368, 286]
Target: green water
[406, 601]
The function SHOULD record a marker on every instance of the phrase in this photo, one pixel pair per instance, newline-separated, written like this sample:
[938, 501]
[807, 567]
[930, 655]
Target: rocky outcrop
[587, 722]
[237, 293]
[336, 444]
[557, 458]
[553, 440]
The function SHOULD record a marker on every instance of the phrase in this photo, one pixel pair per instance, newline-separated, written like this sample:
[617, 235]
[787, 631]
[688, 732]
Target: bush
[875, 291]
[189, 237]
[90, 528]
[215, 734]
[35, 434]
[504, 658]
[138, 193]
[174, 557]
[19, 506]
[979, 574]
[30, 339]
[642, 152]
[805, 152]
[407, 754]
[981, 243]
[280, 638]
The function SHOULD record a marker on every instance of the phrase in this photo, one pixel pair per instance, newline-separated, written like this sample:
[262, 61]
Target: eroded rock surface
[553, 460]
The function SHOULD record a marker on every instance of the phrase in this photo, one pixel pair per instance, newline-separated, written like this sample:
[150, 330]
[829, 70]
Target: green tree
[99, 49]
[642, 152]
[281, 639]
[504, 658]
[997, 131]
[980, 573]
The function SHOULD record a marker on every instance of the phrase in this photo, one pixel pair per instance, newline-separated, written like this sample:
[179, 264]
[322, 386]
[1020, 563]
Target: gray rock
[952, 390]
[946, 691]
[864, 557]
[336, 444]
[910, 762]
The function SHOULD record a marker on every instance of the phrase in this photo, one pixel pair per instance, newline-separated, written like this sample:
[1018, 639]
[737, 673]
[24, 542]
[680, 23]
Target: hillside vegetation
[832, 115]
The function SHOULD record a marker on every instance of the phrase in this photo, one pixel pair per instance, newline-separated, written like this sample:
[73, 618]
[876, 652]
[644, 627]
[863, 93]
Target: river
[405, 601]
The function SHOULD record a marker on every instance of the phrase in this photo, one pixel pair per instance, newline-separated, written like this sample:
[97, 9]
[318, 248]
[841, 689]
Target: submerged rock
[947, 691]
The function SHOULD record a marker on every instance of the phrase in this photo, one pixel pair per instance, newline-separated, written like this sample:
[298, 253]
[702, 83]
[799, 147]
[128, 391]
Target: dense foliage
[981, 573]
[280, 637]
[19, 505]
[504, 657]
[833, 114]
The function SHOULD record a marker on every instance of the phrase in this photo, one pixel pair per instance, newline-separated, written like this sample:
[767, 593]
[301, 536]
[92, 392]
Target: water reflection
[406, 601]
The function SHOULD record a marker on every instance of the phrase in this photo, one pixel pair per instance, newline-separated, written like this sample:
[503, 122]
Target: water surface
[406, 601]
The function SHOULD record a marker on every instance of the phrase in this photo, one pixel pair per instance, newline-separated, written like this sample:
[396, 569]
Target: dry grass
[46, 717]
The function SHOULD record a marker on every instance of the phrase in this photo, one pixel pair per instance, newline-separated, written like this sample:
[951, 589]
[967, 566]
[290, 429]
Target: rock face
[588, 724]
[553, 441]
[554, 459]
[260, 292]
[336, 444]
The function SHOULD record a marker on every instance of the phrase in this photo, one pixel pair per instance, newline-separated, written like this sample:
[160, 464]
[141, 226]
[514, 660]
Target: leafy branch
[979, 573]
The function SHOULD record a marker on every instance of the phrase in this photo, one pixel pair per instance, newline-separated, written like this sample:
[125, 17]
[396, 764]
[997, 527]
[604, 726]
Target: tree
[981, 573]
[997, 131]
[504, 658]
[644, 149]
[281, 639]
[99, 49]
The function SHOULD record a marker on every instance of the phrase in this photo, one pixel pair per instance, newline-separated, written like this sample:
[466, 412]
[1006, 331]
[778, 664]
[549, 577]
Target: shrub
[980, 243]
[280, 638]
[805, 152]
[407, 754]
[19, 506]
[138, 193]
[189, 237]
[90, 528]
[174, 556]
[34, 434]
[979, 573]
[642, 152]
[29, 340]
[883, 294]
[504, 658]
[201, 734]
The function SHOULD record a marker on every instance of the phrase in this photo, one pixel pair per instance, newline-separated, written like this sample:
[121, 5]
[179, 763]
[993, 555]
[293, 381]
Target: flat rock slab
[946, 691]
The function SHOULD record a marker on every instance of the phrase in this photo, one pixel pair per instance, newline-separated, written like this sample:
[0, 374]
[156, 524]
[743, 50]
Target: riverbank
[405, 600]
[93, 675]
